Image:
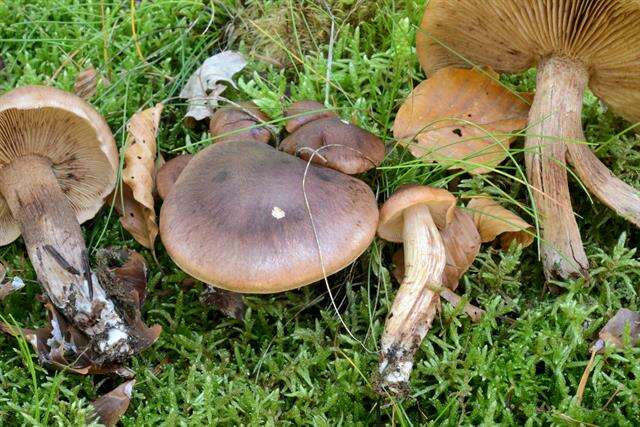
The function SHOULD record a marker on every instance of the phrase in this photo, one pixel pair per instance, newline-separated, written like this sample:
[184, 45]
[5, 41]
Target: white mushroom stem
[411, 314]
[58, 253]
[554, 120]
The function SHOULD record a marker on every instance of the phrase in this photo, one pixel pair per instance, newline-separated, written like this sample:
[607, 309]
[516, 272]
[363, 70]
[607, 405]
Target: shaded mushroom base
[58, 253]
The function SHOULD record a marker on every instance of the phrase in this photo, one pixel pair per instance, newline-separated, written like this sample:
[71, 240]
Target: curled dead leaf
[462, 244]
[112, 406]
[495, 222]
[464, 119]
[203, 89]
[231, 304]
[135, 203]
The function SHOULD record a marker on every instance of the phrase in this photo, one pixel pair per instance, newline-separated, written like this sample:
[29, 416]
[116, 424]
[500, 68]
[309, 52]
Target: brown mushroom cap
[231, 123]
[169, 173]
[441, 204]
[302, 112]
[237, 219]
[63, 128]
[350, 149]
[513, 35]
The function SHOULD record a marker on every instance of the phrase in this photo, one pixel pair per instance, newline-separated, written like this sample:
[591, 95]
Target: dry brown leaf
[136, 206]
[86, 83]
[462, 243]
[613, 333]
[495, 222]
[449, 117]
[231, 304]
[112, 406]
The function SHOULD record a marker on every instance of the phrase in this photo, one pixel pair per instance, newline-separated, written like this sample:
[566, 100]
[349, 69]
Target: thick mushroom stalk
[410, 317]
[58, 253]
[554, 122]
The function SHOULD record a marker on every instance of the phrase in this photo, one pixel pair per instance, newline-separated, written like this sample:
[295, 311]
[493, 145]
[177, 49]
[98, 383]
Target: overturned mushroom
[244, 217]
[58, 160]
[244, 122]
[413, 216]
[331, 142]
[573, 43]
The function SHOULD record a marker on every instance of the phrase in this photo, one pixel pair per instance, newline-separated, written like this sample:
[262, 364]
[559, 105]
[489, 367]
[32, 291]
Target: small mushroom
[574, 44]
[336, 144]
[302, 112]
[169, 172]
[244, 122]
[58, 161]
[238, 219]
[414, 216]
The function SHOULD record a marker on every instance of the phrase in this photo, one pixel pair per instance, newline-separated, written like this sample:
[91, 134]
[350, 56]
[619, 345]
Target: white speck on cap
[278, 213]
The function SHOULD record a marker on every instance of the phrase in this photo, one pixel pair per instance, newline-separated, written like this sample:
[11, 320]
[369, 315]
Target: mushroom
[168, 174]
[336, 144]
[244, 122]
[573, 43]
[58, 161]
[414, 216]
[302, 112]
[247, 218]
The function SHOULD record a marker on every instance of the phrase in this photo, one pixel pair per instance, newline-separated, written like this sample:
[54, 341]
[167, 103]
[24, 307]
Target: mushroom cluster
[574, 44]
[246, 217]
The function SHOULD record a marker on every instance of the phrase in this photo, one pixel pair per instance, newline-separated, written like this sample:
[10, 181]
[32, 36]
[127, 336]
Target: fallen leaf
[86, 83]
[169, 172]
[3, 272]
[229, 303]
[462, 245]
[204, 87]
[461, 118]
[112, 406]
[495, 222]
[625, 323]
[614, 332]
[135, 203]
[8, 288]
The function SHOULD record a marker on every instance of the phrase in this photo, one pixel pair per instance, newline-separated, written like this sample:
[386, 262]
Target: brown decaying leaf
[86, 83]
[62, 346]
[461, 118]
[135, 204]
[613, 333]
[229, 303]
[112, 406]
[495, 222]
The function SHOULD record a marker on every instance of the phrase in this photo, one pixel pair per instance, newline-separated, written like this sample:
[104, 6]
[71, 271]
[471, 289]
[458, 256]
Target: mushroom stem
[58, 253]
[411, 314]
[555, 119]
[612, 191]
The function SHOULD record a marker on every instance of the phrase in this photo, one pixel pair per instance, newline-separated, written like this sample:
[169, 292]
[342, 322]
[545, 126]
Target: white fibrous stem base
[416, 301]
[58, 253]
